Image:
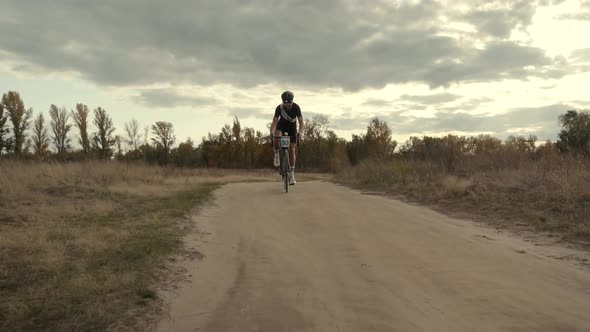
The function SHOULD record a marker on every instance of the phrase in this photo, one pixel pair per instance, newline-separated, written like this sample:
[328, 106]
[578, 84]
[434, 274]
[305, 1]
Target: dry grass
[551, 194]
[81, 243]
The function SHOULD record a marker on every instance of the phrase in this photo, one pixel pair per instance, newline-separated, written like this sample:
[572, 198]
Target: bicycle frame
[285, 167]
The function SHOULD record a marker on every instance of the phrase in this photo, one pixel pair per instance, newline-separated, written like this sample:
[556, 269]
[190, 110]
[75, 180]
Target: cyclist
[284, 120]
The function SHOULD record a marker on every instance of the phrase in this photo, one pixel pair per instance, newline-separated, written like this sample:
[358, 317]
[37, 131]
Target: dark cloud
[543, 118]
[376, 102]
[400, 111]
[168, 98]
[539, 121]
[431, 99]
[543, 122]
[501, 22]
[473, 103]
[328, 43]
[499, 60]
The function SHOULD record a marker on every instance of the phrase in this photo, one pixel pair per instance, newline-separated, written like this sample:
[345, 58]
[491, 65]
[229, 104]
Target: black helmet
[287, 96]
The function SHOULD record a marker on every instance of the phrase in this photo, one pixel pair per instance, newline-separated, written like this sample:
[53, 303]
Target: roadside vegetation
[89, 218]
[549, 193]
[518, 182]
[83, 245]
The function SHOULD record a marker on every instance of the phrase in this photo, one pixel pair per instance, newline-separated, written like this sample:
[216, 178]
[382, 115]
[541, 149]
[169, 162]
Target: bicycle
[285, 166]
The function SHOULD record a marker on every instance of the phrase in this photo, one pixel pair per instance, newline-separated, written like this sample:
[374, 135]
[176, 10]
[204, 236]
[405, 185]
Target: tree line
[25, 136]
[16, 120]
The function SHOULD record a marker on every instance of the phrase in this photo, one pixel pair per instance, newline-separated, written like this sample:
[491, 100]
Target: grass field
[551, 195]
[82, 245]
[85, 246]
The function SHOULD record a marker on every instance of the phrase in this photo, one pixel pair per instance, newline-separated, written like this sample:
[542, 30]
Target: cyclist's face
[287, 104]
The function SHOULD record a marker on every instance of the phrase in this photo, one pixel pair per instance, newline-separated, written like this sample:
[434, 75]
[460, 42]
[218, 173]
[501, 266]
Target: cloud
[473, 103]
[499, 60]
[330, 43]
[575, 16]
[350, 122]
[431, 99]
[499, 22]
[580, 104]
[376, 102]
[551, 2]
[249, 112]
[582, 15]
[539, 121]
[549, 87]
[543, 119]
[169, 98]
[581, 55]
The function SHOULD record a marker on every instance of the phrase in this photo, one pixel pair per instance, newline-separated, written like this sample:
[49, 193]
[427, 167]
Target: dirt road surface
[327, 258]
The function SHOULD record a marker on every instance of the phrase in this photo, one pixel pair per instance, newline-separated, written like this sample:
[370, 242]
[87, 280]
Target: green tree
[164, 138]
[225, 139]
[133, 138]
[60, 128]
[40, 137]
[336, 157]
[103, 140]
[521, 143]
[164, 132]
[237, 145]
[483, 144]
[184, 155]
[20, 118]
[575, 133]
[356, 149]
[312, 152]
[378, 139]
[210, 151]
[5, 141]
[80, 116]
[453, 150]
[250, 147]
[316, 128]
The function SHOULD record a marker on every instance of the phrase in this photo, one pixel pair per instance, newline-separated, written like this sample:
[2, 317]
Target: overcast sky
[426, 67]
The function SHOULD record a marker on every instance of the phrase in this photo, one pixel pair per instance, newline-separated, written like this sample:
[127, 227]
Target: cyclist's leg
[276, 147]
[292, 148]
[293, 134]
[292, 163]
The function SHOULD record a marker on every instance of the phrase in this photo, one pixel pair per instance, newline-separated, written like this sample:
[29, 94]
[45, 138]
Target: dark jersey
[287, 118]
